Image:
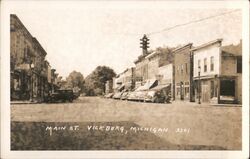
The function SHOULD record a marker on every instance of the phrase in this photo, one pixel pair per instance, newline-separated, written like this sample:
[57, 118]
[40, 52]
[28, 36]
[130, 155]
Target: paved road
[179, 123]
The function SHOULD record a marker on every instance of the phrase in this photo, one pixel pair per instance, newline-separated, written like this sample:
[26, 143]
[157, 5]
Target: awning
[163, 86]
[121, 87]
[149, 84]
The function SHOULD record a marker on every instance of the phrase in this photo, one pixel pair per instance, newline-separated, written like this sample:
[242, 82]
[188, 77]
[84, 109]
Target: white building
[217, 73]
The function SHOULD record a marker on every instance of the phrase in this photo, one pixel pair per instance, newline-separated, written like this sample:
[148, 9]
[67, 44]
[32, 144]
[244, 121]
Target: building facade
[141, 70]
[183, 73]
[217, 74]
[29, 71]
[125, 79]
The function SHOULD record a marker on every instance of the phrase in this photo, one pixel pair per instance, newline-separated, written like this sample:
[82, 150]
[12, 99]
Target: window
[205, 65]
[199, 65]
[181, 69]
[211, 63]
[186, 68]
[178, 68]
[239, 64]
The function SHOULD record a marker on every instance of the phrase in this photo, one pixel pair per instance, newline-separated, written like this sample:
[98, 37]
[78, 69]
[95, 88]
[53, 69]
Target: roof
[182, 47]
[224, 53]
[140, 58]
[207, 44]
[153, 54]
[235, 50]
[36, 42]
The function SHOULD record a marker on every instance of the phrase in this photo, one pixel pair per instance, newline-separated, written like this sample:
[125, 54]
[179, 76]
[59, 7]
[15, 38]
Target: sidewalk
[187, 103]
[24, 102]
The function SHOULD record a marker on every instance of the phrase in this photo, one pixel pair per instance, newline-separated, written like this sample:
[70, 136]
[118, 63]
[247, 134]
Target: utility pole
[144, 44]
[199, 84]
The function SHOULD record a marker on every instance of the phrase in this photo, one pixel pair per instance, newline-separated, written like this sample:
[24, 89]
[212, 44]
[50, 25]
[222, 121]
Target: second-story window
[205, 65]
[182, 69]
[239, 64]
[186, 68]
[199, 65]
[211, 63]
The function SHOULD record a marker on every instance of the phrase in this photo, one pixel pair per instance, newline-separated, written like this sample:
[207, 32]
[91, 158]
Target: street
[102, 123]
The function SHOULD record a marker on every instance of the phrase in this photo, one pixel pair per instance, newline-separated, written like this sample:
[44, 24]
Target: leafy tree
[167, 56]
[95, 82]
[75, 80]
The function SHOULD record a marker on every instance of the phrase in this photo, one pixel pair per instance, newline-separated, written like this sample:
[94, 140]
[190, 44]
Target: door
[182, 91]
[205, 93]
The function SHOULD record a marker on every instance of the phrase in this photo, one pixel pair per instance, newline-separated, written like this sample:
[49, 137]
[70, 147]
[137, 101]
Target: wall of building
[27, 83]
[229, 65]
[166, 72]
[207, 52]
[141, 69]
[182, 73]
[239, 89]
[153, 65]
[182, 61]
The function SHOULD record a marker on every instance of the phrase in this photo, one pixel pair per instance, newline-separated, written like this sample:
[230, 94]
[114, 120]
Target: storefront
[216, 90]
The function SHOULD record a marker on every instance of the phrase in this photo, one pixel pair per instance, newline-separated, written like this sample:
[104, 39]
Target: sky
[82, 35]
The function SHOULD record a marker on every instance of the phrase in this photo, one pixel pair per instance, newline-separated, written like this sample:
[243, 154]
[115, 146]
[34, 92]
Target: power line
[191, 22]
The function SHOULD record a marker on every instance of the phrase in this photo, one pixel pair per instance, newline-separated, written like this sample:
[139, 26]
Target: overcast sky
[82, 35]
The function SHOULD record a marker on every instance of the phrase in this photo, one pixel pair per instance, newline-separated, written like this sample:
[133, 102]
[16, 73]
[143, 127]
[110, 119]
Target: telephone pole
[144, 44]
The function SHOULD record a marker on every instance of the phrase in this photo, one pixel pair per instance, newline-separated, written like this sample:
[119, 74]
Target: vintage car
[124, 95]
[61, 95]
[109, 95]
[117, 95]
[76, 95]
[159, 94]
[137, 95]
[131, 96]
[140, 92]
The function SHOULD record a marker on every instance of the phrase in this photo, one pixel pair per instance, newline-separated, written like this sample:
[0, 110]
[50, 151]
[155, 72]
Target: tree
[95, 82]
[75, 80]
[167, 56]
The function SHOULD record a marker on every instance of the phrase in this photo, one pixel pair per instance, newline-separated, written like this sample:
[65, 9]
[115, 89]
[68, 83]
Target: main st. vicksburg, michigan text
[117, 129]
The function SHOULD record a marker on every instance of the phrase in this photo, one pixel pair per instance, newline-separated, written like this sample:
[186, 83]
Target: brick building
[183, 74]
[126, 79]
[141, 70]
[156, 66]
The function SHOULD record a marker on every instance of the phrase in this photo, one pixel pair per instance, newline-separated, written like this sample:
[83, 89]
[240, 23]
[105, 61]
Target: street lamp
[199, 85]
[31, 69]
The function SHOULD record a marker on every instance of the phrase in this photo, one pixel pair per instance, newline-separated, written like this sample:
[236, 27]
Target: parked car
[76, 94]
[160, 94]
[124, 95]
[137, 95]
[132, 96]
[61, 95]
[109, 95]
[140, 95]
[117, 95]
